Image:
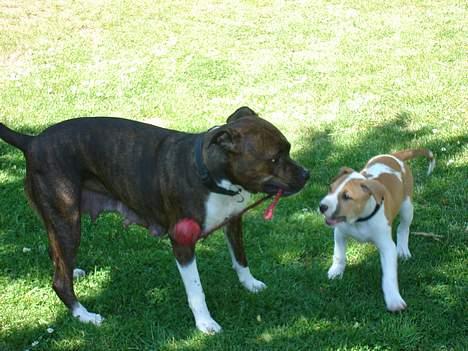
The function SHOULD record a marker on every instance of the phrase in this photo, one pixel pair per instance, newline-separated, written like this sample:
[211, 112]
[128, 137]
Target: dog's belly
[219, 207]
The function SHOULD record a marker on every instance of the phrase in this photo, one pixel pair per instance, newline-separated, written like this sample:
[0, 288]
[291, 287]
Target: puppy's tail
[405, 155]
[19, 140]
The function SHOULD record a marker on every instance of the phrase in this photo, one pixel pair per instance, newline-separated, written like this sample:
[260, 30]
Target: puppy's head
[351, 196]
[254, 154]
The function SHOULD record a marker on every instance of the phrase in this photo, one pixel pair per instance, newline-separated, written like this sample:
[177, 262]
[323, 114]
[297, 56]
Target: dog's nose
[305, 174]
[323, 208]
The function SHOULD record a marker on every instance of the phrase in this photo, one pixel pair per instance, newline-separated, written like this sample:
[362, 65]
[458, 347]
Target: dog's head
[351, 196]
[254, 154]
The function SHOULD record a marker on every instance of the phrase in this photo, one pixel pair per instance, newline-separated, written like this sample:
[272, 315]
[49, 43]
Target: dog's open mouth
[334, 221]
[272, 189]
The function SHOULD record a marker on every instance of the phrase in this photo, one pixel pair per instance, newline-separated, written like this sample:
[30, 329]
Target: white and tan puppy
[364, 204]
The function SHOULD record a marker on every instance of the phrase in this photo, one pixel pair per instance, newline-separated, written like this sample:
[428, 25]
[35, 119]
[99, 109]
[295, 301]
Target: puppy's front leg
[187, 265]
[339, 255]
[388, 260]
[234, 238]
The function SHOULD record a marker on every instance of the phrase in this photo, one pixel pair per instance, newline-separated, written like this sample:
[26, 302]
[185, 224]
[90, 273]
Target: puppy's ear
[342, 172]
[226, 138]
[240, 113]
[374, 188]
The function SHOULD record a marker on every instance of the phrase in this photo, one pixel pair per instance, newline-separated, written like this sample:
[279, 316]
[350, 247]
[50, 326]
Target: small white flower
[443, 149]
[35, 343]
[26, 249]
[434, 130]
[449, 162]
[50, 330]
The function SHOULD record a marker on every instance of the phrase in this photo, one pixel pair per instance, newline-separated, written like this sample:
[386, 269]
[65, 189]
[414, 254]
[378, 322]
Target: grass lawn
[343, 80]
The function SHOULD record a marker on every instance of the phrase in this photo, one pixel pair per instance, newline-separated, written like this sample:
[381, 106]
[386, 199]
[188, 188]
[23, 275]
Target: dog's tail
[405, 155]
[19, 140]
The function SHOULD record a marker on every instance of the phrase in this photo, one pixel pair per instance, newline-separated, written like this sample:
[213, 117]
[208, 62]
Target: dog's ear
[226, 138]
[374, 188]
[342, 172]
[240, 113]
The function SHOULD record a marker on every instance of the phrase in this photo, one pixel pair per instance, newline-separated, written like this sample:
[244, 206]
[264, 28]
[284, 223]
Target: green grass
[343, 80]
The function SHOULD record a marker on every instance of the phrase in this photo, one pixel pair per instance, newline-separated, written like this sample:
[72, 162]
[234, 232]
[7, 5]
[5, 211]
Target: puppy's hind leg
[234, 238]
[58, 205]
[406, 217]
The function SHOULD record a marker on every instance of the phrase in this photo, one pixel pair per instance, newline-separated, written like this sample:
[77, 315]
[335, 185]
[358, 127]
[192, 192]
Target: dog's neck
[213, 184]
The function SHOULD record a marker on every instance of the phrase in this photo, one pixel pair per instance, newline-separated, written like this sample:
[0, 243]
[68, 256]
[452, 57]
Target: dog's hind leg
[57, 201]
[406, 217]
[234, 238]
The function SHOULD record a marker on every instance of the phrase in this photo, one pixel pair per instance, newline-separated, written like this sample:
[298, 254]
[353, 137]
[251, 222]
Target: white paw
[253, 285]
[395, 303]
[247, 279]
[78, 273]
[86, 317]
[208, 326]
[336, 271]
[403, 252]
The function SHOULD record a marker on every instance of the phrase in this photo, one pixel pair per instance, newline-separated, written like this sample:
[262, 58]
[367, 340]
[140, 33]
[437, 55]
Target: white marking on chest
[218, 207]
[367, 230]
[379, 168]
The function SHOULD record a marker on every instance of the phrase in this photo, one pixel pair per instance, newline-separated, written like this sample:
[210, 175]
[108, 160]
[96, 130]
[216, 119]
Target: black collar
[204, 173]
[376, 209]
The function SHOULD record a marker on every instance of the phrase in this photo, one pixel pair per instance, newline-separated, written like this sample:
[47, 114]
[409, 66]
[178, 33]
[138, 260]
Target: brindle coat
[146, 173]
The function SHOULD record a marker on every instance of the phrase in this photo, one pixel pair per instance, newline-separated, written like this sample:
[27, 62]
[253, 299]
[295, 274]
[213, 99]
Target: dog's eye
[346, 196]
[274, 160]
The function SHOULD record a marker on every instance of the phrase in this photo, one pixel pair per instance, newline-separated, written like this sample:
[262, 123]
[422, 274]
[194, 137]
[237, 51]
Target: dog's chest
[218, 207]
[368, 230]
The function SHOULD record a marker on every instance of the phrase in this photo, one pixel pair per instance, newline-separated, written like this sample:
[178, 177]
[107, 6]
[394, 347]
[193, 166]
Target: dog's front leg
[388, 259]
[339, 255]
[187, 265]
[234, 237]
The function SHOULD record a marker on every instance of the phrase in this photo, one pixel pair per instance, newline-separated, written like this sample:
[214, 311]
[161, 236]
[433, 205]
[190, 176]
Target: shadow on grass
[144, 301]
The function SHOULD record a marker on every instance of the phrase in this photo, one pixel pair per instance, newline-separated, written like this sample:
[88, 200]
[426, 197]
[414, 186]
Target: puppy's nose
[305, 174]
[323, 208]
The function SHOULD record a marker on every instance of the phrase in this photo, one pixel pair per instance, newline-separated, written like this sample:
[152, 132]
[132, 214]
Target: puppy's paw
[403, 252]
[336, 271]
[208, 326]
[253, 285]
[395, 303]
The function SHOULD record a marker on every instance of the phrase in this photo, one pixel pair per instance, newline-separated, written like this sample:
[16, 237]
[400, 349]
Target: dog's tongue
[268, 215]
[332, 222]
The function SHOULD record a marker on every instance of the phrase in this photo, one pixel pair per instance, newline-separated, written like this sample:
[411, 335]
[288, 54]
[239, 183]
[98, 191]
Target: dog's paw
[395, 303]
[253, 285]
[87, 317]
[403, 252]
[208, 326]
[336, 271]
[78, 273]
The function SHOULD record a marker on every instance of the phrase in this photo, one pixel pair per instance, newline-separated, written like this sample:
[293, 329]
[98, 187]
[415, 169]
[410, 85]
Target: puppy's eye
[346, 196]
